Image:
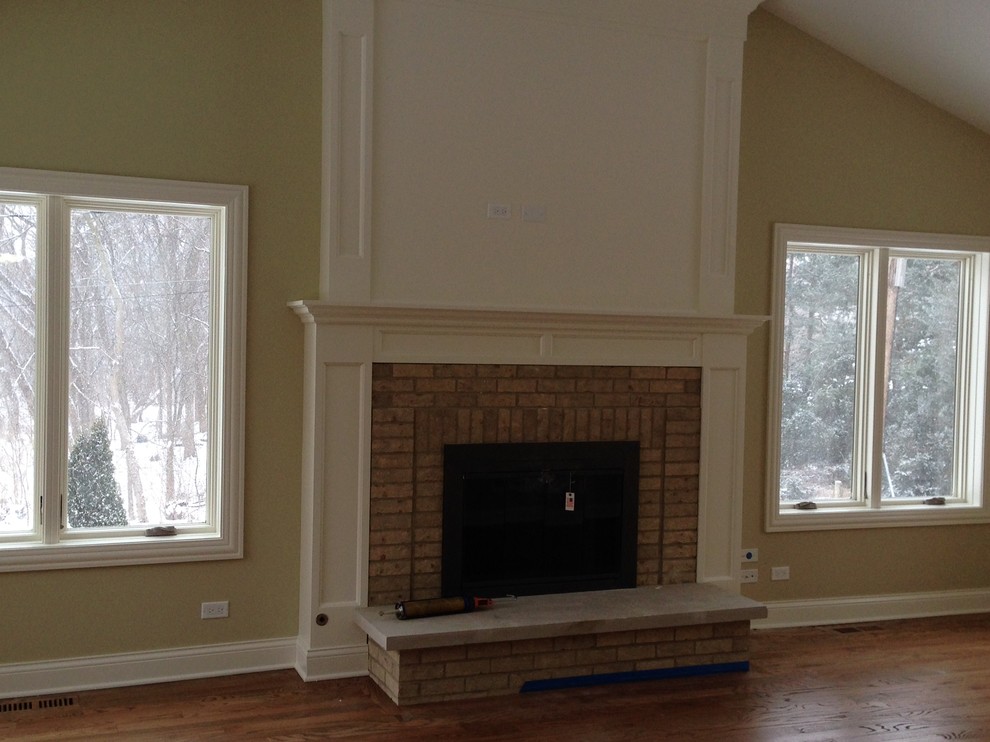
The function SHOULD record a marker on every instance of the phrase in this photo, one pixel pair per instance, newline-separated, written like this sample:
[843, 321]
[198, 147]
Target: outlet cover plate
[215, 609]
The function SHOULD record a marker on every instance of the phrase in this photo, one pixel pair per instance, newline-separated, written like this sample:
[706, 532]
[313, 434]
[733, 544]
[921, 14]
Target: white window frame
[968, 503]
[221, 537]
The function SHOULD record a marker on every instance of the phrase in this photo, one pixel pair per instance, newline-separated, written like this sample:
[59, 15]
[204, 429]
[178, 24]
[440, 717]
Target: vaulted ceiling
[938, 49]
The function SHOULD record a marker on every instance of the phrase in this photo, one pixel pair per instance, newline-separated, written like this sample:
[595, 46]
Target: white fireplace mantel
[343, 341]
[405, 334]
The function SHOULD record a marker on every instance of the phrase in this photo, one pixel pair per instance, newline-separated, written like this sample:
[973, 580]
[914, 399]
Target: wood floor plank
[897, 681]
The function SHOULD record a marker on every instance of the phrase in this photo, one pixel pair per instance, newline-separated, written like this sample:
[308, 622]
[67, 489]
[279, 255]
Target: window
[121, 370]
[878, 379]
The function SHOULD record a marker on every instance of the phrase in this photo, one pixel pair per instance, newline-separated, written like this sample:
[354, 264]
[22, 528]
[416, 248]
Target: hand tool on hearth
[440, 606]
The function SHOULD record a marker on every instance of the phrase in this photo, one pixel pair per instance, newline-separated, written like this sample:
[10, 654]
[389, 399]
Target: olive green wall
[229, 91]
[224, 91]
[825, 141]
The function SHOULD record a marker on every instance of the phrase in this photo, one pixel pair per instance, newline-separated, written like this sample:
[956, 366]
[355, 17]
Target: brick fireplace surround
[417, 408]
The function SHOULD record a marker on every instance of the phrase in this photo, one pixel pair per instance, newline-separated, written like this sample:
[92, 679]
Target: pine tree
[94, 495]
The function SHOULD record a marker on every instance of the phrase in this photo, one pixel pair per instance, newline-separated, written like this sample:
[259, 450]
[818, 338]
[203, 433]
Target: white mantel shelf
[323, 312]
[414, 334]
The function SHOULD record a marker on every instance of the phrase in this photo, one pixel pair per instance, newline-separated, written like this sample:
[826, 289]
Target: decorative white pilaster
[348, 96]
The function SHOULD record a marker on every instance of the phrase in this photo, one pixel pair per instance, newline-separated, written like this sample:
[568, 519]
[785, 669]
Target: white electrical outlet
[750, 555]
[749, 575]
[534, 213]
[217, 609]
[780, 573]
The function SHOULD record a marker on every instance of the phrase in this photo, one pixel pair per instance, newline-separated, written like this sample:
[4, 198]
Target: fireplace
[388, 387]
[538, 518]
[646, 288]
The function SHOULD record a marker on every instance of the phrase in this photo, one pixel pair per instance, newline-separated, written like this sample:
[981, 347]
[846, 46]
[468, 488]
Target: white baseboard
[336, 662]
[824, 611]
[141, 668]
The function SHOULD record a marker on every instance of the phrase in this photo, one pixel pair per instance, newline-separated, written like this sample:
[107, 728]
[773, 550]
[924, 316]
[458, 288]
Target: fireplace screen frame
[551, 463]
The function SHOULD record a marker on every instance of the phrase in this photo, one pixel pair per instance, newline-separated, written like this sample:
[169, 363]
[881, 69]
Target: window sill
[824, 519]
[117, 552]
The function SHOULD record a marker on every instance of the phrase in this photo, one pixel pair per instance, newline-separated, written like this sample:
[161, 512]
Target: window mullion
[880, 259]
[53, 292]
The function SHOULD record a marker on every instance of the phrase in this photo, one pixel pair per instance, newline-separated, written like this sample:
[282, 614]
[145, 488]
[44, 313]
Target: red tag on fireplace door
[569, 502]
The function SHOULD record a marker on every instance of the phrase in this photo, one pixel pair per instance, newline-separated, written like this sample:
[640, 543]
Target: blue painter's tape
[581, 681]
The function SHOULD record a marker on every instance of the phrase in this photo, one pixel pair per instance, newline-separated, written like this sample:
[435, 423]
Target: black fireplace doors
[537, 518]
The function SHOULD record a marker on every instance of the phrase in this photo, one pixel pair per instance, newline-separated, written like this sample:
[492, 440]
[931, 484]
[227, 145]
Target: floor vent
[38, 704]
[7, 707]
[56, 703]
[856, 629]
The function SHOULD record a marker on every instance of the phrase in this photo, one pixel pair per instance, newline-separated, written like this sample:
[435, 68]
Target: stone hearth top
[564, 614]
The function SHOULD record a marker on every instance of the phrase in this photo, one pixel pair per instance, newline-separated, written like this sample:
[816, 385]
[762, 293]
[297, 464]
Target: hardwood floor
[926, 679]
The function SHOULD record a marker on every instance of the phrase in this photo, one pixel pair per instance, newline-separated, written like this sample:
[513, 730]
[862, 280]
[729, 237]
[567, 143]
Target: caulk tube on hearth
[439, 606]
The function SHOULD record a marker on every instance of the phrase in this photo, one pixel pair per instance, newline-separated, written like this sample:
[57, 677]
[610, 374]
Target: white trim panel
[345, 661]
[827, 611]
[142, 668]
[720, 175]
[348, 78]
[347, 270]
